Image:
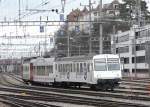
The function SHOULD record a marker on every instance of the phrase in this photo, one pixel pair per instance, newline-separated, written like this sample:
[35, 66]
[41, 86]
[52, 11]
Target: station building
[133, 46]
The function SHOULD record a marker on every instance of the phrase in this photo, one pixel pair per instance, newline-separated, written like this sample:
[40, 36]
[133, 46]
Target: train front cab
[107, 73]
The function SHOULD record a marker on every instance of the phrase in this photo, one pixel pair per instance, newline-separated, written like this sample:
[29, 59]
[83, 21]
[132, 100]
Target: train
[102, 71]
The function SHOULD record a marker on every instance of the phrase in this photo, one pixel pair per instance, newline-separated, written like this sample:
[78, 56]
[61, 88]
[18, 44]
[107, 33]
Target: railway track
[109, 98]
[15, 101]
[70, 98]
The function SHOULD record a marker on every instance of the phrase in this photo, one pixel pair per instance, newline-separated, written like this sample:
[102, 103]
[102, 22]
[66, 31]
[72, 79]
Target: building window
[117, 50]
[140, 47]
[95, 13]
[126, 60]
[139, 59]
[123, 38]
[122, 49]
[111, 12]
[140, 34]
[126, 70]
[116, 6]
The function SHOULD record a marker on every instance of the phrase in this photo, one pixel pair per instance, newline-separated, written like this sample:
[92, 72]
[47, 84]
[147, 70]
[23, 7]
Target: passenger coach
[100, 71]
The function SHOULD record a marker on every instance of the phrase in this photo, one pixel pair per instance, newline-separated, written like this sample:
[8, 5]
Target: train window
[70, 67]
[50, 69]
[64, 67]
[74, 67]
[67, 68]
[24, 68]
[88, 67]
[55, 66]
[81, 67]
[59, 67]
[77, 67]
[84, 64]
[46, 70]
[92, 66]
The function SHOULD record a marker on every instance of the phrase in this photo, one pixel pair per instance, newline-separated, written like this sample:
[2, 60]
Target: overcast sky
[9, 8]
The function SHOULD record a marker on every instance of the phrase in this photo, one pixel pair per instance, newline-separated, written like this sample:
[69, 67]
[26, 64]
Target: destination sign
[113, 60]
[102, 60]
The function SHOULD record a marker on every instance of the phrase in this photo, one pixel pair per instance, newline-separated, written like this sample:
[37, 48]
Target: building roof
[75, 14]
[72, 16]
[110, 6]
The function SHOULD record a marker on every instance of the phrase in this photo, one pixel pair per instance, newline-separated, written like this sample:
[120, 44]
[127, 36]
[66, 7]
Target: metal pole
[45, 37]
[68, 39]
[139, 12]
[39, 49]
[79, 50]
[113, 40]
[100, 29]
[135, 56]
[90, 44]
[139, 24]
[19, 11]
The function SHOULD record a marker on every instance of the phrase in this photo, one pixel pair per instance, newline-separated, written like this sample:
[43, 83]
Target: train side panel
[26, 72]
[75, 71]
[43, 70]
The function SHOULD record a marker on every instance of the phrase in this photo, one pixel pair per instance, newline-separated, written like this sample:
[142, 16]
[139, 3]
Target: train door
[31, 72]
[78, 72]
[91, 72]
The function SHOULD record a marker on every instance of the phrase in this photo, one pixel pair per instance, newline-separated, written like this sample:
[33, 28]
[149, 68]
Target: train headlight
[118, 75]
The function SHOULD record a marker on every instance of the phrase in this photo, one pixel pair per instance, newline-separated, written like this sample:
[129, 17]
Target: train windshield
[100, 64]
[113, 64]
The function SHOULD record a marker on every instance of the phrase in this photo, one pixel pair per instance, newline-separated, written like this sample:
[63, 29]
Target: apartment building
[78, 27]
[133, 46]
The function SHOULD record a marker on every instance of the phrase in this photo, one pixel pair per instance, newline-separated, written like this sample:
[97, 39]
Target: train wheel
[112, 89]
[93, 87]
[29, 83]
[64, 85]
[106, 87]
[53, 84]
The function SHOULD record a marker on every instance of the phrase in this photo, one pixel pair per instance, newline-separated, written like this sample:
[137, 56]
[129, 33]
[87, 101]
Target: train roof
[43, 61]
[106, 56]
[83, 58]
[28, 59]
[74, 58]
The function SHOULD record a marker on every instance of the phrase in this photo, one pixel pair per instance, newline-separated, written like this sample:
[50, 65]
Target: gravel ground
[4, 105]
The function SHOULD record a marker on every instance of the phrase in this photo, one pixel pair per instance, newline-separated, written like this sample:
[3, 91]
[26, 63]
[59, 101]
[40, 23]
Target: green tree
[128, 7]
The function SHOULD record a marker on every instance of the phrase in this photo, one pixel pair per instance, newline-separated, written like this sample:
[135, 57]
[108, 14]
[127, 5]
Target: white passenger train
[99, 71]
